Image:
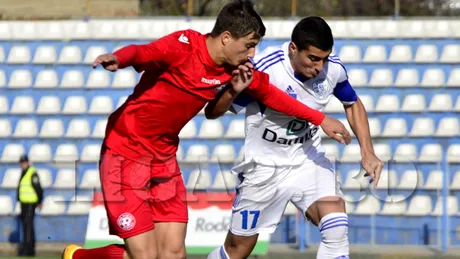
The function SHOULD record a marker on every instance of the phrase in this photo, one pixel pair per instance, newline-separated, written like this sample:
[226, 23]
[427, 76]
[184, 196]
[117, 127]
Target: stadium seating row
[104, 104]
[417, 206]
[276, 29]
[79, 128]
[401, 53]
[99, 79]
[226, 153]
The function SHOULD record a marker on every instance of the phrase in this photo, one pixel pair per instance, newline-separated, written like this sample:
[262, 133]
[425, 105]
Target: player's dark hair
[240, 19]
[312, 31]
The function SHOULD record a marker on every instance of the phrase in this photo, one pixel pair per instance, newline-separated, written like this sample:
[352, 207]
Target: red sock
[107, 252]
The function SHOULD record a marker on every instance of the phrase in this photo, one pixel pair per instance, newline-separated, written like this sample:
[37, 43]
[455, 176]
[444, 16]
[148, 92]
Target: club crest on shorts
[320, 87]
[126, 221]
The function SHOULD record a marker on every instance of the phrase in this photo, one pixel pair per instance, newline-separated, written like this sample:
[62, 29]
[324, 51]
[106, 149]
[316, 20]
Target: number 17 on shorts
[245, 222]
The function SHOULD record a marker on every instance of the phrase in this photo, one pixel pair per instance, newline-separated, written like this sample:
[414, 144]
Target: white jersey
[273, 138]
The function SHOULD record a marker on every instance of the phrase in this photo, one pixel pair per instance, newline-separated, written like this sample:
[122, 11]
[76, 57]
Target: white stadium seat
[45, 55]
[66, 153]
[189, 130]
[388, 103]
[80, 205]
[12, 153]
[4, 105]
[422, 127]
[448, 127]
[52, 128]
[375, 127]
[121, 100]
[101, 105]
[370, 205]
[46, 179]
[24, 31]
[414, 103]
[197, 153]
[368, 102]
[91, 153]
[430, 153]
[53, 205]
[211, 129]
[450, 54]
[70, 55]
[396, 205]
[50, 30]
[350, 54]
[351, 153]
[381, 77]
[411, 29]
[91, 179]
[128, 30]
[19, 55]
[223, 153]
[21, 78]
[72, 79]
[46, 79]
[2, 54]
[199, 179]
[441, 103]
[357, 77]
[92, 53]
[98, 79]
[26, 128]
[375, 54]
[388, 180]
[426, 53]
[433, 77]
[411, 180]
[99, 129]
[452, 206]
[434, 180]
[405, 153]
[6, 205]
[6, 31]
[2, 78]
[124, 79]
[23, 105]
[453, 153]
[11, 178]
[334, 105]
[456, 108]
[225, 180]
[455, 185]
[400, 54]
[236, 129]
[40, 153]
[65, 179]
[454, 78]
[331, 151]
[103, 30]
[79, 30]
[5, 128]
[395, 127]
[75, 105]
[78, 128]
[49, 105]
[407, 77]
[180, 154]
[383, 151]
[420, 205]
[437, 29]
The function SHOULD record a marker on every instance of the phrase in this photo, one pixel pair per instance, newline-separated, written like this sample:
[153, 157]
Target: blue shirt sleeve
[241, 102]
[345, 93]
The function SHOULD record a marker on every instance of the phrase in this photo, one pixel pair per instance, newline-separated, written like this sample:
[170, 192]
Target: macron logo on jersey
[183, 39]
[210, 81]
[291, 92]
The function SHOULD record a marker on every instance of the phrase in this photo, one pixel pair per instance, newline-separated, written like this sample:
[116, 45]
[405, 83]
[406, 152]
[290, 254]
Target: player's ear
[226, 38]
[293, 48]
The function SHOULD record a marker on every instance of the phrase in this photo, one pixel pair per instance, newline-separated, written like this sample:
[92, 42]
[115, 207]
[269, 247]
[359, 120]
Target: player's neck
[297, 74]
[214, 51]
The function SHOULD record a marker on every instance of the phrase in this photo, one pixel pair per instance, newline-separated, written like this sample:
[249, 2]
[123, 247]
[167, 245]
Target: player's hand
[242, 77]
[336, 130]
[108, 62]
[373, 166]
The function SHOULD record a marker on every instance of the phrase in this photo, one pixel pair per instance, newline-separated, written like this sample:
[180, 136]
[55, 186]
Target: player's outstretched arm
[358, 120]
[280, 101]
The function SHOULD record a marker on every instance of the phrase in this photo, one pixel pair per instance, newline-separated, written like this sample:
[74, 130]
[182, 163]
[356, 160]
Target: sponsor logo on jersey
[320, 87]
[183, 39]
[272, 136]
[291, 92]
[296, 127]
[210, 81]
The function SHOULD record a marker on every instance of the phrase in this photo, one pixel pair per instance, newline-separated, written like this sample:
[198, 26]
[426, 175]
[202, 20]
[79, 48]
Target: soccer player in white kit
[284, 160]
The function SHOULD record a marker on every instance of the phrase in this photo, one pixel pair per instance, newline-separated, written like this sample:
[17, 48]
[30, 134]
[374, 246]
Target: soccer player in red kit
[144, 193]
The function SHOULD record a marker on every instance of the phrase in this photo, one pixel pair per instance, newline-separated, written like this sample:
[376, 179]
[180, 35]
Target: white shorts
[264, 192]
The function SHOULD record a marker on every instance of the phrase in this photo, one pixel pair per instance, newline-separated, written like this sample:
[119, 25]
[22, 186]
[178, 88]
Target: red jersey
[179, 78]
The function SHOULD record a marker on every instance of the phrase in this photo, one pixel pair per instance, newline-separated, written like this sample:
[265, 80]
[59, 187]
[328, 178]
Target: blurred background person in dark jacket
[30, 195]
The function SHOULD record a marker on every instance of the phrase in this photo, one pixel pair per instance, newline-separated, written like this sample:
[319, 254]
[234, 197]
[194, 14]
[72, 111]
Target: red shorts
[135, 199]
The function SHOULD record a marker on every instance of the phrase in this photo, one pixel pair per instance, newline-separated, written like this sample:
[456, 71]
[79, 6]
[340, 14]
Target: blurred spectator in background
[30, 195]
